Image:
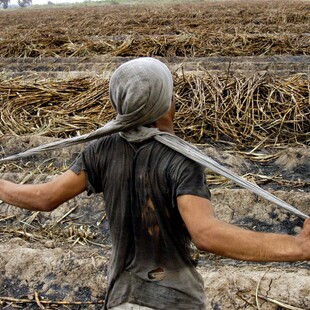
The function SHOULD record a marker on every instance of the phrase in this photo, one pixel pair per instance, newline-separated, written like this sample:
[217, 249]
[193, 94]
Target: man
[156, 200]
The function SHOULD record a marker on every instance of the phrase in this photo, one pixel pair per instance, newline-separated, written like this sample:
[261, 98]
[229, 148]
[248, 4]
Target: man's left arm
[212, 235]
[44, 196]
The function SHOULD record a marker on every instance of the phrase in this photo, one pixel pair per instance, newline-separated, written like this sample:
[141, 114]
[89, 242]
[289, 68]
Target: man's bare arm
[45, 196]
[212, 235]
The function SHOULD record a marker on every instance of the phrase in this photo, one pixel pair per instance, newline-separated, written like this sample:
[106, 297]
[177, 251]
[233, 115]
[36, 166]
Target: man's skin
[208, 233]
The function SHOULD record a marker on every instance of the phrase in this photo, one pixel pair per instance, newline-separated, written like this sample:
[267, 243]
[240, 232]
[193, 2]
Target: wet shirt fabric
[151, 261]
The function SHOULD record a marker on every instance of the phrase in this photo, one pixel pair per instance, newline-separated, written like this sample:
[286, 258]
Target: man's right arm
[44, 196]
[215, 236]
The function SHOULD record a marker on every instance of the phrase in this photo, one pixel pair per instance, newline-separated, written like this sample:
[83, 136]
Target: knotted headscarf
[141, 92]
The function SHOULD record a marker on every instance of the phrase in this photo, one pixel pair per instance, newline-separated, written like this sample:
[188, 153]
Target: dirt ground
[63, 255]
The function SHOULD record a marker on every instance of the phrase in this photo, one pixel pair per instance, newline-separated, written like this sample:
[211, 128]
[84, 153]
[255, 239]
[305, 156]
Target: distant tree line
[21, 3]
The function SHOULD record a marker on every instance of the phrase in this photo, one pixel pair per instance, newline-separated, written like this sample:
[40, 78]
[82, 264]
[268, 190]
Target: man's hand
[46, 196]
[212, 235]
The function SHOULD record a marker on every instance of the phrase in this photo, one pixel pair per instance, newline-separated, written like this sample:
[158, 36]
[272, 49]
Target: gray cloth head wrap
[141, 91]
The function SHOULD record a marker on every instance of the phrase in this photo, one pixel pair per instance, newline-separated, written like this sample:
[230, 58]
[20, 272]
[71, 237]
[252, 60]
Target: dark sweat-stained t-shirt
[151, 261]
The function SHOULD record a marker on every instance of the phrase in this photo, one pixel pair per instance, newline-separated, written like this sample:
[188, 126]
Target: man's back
[151, 260]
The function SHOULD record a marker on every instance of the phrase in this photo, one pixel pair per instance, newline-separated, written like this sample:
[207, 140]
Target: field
[241, 76]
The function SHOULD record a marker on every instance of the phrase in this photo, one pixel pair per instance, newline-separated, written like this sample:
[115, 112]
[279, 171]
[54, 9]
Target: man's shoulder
[170, 157]
[110, 139]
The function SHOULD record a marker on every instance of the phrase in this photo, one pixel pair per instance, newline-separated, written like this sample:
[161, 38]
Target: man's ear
[172, 107]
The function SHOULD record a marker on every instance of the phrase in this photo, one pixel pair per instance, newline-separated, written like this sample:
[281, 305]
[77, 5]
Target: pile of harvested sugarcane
[260, 110]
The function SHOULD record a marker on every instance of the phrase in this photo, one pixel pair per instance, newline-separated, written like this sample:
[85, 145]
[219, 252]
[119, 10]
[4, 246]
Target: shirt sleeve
[190, 180]
[87, 161]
